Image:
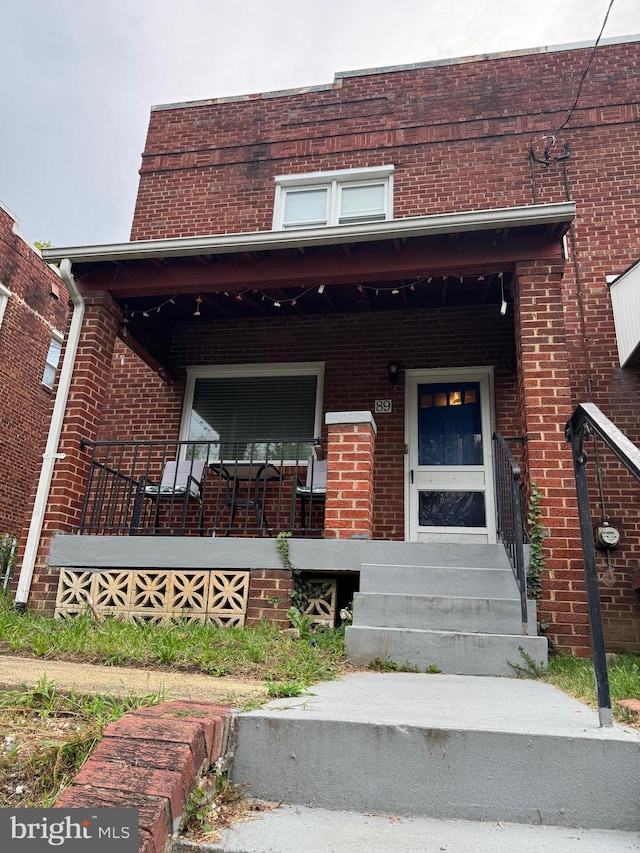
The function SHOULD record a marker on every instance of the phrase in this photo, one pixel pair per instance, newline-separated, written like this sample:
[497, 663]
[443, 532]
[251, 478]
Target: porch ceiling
[445, 260]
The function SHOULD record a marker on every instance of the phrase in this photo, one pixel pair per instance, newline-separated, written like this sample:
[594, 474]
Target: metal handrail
[587, 417]
[509, 517]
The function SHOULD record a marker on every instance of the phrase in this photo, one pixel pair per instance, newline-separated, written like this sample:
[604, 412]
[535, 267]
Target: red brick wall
[32, 312]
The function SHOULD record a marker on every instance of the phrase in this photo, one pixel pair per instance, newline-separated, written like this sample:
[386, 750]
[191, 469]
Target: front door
[449, 456]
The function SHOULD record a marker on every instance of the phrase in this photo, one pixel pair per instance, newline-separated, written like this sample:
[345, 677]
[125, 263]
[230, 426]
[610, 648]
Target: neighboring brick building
[33, 316]
[451, 218]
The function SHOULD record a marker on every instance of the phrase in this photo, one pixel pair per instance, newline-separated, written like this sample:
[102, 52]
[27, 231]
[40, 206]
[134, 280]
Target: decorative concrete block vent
[322, 605]
[152, 759]
[158, 596]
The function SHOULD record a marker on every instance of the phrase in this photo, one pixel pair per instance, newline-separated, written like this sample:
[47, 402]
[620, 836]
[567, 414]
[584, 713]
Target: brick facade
[459, 136]
[36, 307]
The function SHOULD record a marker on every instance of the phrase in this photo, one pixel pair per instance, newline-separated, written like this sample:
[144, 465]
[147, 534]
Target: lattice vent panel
[322, 602]
[157, 596]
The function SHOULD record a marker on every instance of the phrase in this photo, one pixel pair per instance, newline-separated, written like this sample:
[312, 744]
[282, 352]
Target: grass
[576, 677]
[259, 652]
[47, 735]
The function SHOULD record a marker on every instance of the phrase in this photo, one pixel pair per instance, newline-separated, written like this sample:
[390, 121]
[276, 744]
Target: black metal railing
[221, 488]
[509, 511]
[587, 417]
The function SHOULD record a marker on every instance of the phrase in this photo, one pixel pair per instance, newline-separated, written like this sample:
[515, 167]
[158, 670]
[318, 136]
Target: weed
[196, 811]
[536, 533]
[385, 665]
[434, 669]
[531, 668]
[304, 624]
[281, 689]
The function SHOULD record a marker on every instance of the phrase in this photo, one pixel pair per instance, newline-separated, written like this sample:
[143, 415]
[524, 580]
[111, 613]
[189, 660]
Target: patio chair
[312, 491]
[181, 484]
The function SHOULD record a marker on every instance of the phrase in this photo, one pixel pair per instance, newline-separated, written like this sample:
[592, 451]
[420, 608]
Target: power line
[586, 70]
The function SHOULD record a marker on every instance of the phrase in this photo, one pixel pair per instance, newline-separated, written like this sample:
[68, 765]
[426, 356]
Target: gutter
[392, 229]
[53, 439]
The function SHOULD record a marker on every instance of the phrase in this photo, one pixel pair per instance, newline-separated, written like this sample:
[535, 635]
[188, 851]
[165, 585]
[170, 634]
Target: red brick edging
[151, 759]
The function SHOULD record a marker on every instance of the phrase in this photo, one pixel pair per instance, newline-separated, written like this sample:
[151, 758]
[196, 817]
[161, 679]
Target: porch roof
[445, 260]
[548, 219]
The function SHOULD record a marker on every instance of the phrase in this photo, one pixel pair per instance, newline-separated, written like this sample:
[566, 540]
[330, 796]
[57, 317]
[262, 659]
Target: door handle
[412, 476]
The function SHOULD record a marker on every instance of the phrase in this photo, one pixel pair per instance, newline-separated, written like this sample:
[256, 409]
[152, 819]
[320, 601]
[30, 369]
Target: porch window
[254, 413]
[333, 198]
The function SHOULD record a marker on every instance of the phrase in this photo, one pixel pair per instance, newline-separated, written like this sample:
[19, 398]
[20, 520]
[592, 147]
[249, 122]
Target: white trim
[366, 173]
[463, 374]
[257, 241]
[295, 368]
[5, 293]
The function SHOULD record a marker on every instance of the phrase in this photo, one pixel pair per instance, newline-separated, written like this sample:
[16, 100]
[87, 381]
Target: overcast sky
[79, 76]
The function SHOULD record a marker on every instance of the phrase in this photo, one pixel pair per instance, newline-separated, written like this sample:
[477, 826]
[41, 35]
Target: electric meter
[608, 536]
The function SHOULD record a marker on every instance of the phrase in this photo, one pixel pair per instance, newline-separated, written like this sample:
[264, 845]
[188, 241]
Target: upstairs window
[345, 197]
[53, 359]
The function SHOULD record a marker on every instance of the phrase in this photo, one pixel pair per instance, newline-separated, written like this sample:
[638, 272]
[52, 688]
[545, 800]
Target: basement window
[343, 197]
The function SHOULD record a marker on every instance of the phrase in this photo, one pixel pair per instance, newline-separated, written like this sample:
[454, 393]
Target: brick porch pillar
[350, 453]
[90, 380]
[546, 400]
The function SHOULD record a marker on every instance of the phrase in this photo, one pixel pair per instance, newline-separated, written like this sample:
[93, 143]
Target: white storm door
[450, 493]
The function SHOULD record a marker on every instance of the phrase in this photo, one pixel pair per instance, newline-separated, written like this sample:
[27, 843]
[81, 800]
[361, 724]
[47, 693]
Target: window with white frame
[254, 412]
[5, 293]
[343, 197]
[53, 359]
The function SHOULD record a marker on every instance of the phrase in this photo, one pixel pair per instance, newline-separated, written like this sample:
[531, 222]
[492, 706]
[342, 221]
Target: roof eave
[393, 229]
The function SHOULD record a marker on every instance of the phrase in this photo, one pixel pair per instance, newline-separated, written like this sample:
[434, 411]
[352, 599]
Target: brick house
[368, 278]
[33, 317]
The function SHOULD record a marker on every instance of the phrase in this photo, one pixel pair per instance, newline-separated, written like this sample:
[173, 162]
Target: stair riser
[452, 652]
[442, 773]
[497, 616]
[438, 580]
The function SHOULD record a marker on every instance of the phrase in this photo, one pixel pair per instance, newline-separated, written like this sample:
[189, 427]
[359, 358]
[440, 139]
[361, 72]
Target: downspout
[53, 439]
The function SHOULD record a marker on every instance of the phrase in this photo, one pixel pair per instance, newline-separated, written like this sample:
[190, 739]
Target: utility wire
[586, 70]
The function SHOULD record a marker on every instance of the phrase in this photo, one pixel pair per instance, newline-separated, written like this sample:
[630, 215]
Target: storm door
[449, 457]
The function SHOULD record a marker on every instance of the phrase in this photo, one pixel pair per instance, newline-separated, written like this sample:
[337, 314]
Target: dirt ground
[16, 672]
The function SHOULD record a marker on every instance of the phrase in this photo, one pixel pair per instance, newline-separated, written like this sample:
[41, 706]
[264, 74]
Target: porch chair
[312, 491]
[181, 483]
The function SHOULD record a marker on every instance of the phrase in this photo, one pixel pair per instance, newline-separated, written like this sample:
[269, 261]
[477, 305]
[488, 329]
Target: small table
[245, 488]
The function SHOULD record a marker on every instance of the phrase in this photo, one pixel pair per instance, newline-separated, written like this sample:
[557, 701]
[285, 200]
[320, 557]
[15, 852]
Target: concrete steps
[443, 747]
[460, 615]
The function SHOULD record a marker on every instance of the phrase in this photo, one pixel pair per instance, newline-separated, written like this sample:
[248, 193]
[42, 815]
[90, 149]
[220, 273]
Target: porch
[295, 336]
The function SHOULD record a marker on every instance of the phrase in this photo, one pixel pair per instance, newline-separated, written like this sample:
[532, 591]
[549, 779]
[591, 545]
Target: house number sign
[383, 407]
